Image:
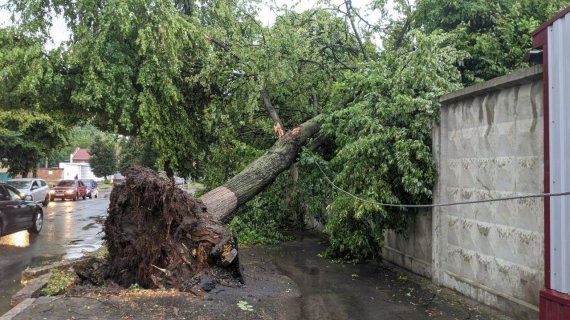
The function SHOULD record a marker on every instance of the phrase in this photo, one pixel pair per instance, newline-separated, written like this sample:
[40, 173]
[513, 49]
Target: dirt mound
[160, 237]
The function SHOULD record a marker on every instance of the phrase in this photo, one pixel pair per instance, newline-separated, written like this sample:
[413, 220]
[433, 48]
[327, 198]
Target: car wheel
[38, 222]
[84, 197]
[75, 197]
[46, 201]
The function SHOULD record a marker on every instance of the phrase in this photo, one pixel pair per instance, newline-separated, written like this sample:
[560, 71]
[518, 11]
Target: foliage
[101, 253]
[244, 305]
[183, 80]
[496, 34]
[259, 220]
[58, 282]
[134, 287]
[80, 136]
[381, 123]
[129, 64]
[103, 157]
[27, 138]
[136, 151]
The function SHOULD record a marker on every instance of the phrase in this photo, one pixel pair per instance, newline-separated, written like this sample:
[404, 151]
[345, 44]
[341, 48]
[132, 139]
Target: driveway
[70, 228]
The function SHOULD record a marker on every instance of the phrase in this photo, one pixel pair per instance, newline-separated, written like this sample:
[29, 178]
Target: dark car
[17, 214]
[68, 189]
[92, 189]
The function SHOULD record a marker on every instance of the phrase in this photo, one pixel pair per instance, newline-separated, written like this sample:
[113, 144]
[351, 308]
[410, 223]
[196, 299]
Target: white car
[32, 189]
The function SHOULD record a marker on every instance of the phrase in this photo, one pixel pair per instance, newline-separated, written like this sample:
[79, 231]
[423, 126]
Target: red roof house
[80, 156]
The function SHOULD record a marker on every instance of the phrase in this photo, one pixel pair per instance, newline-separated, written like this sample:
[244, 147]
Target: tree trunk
[159, 236]
[222, 201]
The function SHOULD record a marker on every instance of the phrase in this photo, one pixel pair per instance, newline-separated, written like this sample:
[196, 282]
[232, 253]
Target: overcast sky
[59, 31]
[268, 17]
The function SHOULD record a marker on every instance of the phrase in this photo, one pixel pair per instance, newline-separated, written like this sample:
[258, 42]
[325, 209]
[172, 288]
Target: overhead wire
[435, 205]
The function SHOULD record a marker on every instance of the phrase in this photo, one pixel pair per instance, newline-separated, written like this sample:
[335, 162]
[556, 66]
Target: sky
[59, 32]
[268, 17]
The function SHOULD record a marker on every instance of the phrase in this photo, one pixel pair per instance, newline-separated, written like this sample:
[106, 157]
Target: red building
[80, 156]
[553, 37]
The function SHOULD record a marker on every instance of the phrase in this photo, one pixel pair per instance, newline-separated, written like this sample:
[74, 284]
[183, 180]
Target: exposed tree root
[160, 237]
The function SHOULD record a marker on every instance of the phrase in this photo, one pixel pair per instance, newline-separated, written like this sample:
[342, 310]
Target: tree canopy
[206, 82]
[103, 157]
[496, 34]
[27, 138]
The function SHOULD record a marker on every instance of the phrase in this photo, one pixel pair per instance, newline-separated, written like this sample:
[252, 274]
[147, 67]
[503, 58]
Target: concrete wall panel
[490, 146]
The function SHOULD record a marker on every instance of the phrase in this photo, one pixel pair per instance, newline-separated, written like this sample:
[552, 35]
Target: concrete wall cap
[510, 80]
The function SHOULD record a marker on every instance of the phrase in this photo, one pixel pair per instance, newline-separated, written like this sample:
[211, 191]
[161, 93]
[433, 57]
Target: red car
[68, 189]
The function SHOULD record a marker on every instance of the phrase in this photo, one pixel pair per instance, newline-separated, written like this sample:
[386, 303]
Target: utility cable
[536, 195]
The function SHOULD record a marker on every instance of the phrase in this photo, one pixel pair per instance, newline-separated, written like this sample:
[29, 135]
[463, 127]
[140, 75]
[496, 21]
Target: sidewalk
[285, 282]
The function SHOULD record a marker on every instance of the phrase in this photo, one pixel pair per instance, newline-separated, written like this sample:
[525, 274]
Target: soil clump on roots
[160, 237]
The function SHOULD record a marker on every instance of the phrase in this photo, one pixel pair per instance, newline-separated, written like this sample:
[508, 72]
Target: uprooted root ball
[160, 237]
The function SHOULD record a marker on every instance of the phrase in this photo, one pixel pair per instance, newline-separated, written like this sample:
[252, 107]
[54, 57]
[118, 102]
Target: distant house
[78, 165]
[80, 156]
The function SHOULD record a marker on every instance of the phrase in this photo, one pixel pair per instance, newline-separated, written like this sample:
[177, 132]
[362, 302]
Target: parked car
[92, 188]
[34, 189]
[17, 214]
[68, 189]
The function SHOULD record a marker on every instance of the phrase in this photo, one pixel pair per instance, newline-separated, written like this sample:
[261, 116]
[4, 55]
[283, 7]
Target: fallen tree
[158, 236]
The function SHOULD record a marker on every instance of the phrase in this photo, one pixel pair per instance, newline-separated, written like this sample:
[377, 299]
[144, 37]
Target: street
[70, 229]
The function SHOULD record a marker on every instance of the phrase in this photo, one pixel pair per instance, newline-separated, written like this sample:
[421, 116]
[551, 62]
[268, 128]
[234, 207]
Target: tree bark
[222, 201]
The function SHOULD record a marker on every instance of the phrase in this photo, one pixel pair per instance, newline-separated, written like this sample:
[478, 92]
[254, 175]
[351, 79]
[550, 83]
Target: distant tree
[80, 136]
[496, 34]
[26, 139]
[136, 151]
[103, 158]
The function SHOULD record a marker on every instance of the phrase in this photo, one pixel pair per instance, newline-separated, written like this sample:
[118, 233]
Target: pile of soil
[160, 237]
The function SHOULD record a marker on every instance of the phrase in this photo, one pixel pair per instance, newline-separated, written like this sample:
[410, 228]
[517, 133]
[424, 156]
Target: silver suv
[32, 189]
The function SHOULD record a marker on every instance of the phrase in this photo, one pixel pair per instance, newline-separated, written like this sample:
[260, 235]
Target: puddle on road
[10, 282]
[362, 291]
[45, 260]
[98, 219]
[78, 248]
[19, 239]
[90, 226]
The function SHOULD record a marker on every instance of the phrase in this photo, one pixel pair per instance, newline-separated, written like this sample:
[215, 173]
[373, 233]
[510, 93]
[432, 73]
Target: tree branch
[348, 4]
[278, 127]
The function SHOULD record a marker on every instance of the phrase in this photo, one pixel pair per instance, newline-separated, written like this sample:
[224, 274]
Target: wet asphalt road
[70, 229]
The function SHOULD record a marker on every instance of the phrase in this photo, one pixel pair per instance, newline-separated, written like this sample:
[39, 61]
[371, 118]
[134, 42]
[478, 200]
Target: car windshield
[66, 183]
[19, 184]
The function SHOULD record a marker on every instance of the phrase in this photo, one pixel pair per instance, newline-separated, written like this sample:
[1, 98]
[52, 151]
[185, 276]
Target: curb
[34, 280]
[30, 274]
[18, 309]
[31, 290]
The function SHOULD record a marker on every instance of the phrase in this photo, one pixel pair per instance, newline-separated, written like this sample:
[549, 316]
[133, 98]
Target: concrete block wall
[414, 250]
[489, 144]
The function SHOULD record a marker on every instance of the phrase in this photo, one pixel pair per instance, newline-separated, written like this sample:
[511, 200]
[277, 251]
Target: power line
[536, 195]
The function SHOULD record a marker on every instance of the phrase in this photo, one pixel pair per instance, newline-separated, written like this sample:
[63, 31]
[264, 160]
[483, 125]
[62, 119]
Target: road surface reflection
[19, 239]
[70, 229]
